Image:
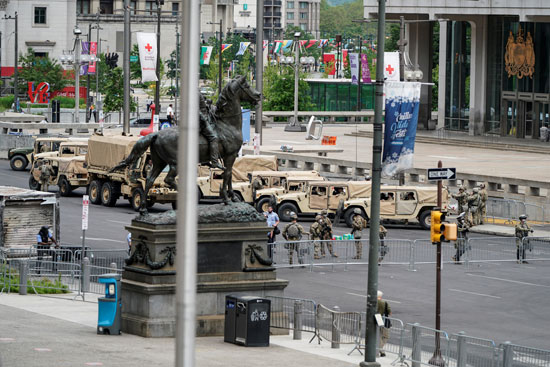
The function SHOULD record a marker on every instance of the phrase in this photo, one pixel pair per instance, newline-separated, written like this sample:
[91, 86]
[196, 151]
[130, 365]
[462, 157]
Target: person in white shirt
[170, 114]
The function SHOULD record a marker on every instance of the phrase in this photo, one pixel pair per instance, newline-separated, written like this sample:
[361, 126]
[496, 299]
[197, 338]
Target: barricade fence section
[422, 345]
[470, 351]
[507, 211]
[283, 313]
[536, 248]
[489, 249]
[520, 356]
[337, 327]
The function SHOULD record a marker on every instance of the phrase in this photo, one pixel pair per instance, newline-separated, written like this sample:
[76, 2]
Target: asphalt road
[500, 301]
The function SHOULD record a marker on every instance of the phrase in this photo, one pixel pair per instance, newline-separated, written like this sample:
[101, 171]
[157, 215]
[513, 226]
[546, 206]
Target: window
[106, 7]
[83, 6]
[40, 54]
[133, 5]
[175, 9]
[290, 5]
[289, 15]
[303, 27]
[39, 15]
[303, 15]
[303, 5]
[151, 6]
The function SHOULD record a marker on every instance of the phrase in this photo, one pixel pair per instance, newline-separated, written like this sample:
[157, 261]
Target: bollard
[113, 267]
[462, 352]
[416, 355]
[85, 275]
[23, 277]
[298, 309]
[508, 355]
[335, 342]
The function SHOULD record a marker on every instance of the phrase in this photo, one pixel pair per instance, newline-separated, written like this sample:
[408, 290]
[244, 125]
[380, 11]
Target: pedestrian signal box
[441, 231]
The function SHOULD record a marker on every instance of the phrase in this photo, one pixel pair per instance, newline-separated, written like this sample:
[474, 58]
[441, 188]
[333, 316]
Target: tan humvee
[104, 152]
[21, 157]
[397, 203]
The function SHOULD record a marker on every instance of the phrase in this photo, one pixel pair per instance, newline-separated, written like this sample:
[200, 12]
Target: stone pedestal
[232, 259]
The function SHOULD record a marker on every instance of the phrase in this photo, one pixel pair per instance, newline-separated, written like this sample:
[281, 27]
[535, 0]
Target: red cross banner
[391, 66]
[147, 44]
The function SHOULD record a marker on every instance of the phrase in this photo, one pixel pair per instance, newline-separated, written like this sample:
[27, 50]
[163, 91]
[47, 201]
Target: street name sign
[439, 174]
[133, 58]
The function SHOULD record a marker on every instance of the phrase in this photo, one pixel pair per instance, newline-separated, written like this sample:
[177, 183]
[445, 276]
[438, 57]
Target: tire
[65, 188]
[425, 219]
[262, 204]
[284, 211]
[108, 194]
[239, 196]
[137, 198]
[348, 217]
[94, 191]
[175, 205]
[33, 184]
[18, 163]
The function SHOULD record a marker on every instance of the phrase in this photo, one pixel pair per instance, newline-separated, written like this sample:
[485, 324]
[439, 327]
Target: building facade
[303, 14]
[494, 64]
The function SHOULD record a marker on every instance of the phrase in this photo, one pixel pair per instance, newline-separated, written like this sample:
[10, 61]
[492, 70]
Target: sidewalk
[507, 231]
[48, 331]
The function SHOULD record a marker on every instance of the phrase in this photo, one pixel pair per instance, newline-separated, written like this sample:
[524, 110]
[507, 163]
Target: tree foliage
[279, 90]
[113, 87]
[42, 69]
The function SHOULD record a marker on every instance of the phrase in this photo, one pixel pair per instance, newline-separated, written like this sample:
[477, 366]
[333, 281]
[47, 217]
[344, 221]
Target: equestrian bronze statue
[227, 126]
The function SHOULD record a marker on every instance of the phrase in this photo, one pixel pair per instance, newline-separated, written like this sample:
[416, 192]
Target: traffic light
[441, 231]
[111, 60]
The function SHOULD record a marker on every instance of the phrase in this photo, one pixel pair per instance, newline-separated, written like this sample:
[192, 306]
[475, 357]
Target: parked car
[207, 91]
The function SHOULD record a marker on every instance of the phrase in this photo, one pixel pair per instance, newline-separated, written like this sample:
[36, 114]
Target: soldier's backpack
[293, 232]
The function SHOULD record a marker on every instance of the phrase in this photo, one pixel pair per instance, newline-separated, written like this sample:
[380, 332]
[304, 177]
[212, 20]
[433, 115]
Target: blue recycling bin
[110, 306]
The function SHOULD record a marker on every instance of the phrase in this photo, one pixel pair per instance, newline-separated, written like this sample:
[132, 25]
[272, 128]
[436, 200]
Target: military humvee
[21, 157]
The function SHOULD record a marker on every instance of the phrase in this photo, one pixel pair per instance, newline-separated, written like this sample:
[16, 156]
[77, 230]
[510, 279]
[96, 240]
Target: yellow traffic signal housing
[437, 227]
[450, 232]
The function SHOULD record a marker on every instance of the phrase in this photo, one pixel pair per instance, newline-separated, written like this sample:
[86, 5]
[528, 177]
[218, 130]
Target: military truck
[65, 168]
[104, 152]
[21, 157]
[397, 203]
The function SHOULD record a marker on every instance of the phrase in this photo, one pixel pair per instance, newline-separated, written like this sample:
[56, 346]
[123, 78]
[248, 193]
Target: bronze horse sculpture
[228, 126]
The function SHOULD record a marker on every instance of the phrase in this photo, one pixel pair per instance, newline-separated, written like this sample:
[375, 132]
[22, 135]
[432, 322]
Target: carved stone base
[232, 259]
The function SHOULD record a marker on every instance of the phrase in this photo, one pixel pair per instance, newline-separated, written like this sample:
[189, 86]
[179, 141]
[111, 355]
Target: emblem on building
[520, 55]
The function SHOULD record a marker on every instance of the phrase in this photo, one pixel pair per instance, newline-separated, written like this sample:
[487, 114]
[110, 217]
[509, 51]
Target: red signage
[69, 92]
[39, 93]
[328, 60]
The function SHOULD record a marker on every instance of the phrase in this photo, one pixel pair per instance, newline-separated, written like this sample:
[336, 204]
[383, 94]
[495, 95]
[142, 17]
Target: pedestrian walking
[382, 248]
[358, 224]
[272, 222]
[461, 198]
[326, 232]
[293, 233]
[384, 309]
[461, 237]
[522, 231]
[483, 207]
[170, 115]
[474, 203]
[315, 233]
[544, 132]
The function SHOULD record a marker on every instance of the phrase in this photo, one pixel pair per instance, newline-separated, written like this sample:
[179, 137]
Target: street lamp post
[16, 62]
[77, 32]
[126, 68]
[157, 85]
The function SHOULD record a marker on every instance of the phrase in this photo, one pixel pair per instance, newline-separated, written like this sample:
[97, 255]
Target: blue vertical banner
[402, 104]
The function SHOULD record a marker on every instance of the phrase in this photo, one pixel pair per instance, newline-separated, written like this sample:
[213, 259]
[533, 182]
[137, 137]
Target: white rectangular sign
[155, 123]
[85, 206]
[256, 144]
[391, 66]
[147, 44]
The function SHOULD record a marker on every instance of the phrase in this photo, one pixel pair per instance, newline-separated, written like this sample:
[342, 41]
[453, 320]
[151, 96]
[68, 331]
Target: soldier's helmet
[482, 185]
[461, 216]
[476, 189]
[293, 215]
[324, 212]
[357, 211]
[318, 217]
[523, 217]
[461, 188]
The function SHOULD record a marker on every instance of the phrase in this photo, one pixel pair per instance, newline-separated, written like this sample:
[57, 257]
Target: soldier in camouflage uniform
[45, 174]
[326, 232]
[359, 223]
[257, 184]
[315, 233]
[461, 198]
[461, 238]
[383, 248]
[474, 204]
[522, 231]
[483, 207]
[293, 232]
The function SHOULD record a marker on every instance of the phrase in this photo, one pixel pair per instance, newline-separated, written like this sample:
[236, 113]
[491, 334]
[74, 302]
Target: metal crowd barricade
[283, 313]
[520, 356]
[337, 327]
[471, 351]
[535, 213]
[490, 249]
[423, 345]
[426, 253]
[102, 262]
[536, 248]
[503, 209]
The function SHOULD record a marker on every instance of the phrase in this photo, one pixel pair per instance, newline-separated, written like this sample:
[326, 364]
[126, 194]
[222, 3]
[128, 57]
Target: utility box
[110, 306]
[247, 320]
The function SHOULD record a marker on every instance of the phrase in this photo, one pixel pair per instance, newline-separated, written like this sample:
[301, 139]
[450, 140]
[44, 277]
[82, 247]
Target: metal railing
[508, 211]
[423, 345]
[520, 356]
[470, 351]
[293, 314]
[337, 327]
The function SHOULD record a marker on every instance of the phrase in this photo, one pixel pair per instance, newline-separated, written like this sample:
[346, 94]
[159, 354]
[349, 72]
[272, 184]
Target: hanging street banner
[391, 66]
[277, 47]
[354, 67]
[311, 43]
[402, 104]
[266, 43]
[287, 44]
[93, 51]
[147, 44]
[242, 48]
[365, 70]
[206, 53]
[225, 46]
[322, 43]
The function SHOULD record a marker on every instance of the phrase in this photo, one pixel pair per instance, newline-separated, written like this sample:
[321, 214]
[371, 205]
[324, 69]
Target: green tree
[41, 69]
[279, 90]
[392, 43]
[113, 87]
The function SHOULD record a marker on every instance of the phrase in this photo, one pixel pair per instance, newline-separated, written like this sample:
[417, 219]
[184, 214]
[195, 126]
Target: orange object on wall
[328, 140]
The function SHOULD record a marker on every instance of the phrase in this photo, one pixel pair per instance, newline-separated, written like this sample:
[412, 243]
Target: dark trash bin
[247, 320]
[110, 306]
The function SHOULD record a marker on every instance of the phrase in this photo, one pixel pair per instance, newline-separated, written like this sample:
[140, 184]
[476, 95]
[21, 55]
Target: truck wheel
[33, 184]
[65, 188]
[18, 163]
[348, 217]
[425, 219]
[284, 211]
[108, 195]
[137, 198]
[263, 204]
[175, 205]
[94, 191]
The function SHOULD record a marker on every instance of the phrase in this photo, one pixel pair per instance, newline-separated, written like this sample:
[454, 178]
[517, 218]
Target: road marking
[102, 239]
[363, 296]
[7, 339]
[445, 157]
[94, 364]
[42, 349]
[474, 293]
[510, 281]
[118, 221]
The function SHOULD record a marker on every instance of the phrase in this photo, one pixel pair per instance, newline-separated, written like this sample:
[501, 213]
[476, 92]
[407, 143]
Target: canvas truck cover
[359, 189]
[105, 152]
[249, 163]
[72, 165]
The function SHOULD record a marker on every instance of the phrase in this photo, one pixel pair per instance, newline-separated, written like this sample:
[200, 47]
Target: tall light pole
[259, 65]
[77, 32]
[126, 67]
[157, 84]
[15, 62]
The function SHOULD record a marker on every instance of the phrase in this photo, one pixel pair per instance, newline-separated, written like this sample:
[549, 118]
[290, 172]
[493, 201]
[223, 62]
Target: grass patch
[9, 278]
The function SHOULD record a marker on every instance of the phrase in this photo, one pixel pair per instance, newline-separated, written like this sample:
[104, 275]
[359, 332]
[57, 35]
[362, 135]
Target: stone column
[478, 75]
[442, 75]
[420, 52]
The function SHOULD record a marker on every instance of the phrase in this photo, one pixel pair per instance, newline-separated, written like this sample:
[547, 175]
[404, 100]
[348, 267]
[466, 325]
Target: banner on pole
[225, 46]
[147, 44]
[93, 51]
[242, 48]
[85, 207]
[365, 71]
[206, 54]
[354, 67]
[402, 104]
[256, 142]
[391, 66]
